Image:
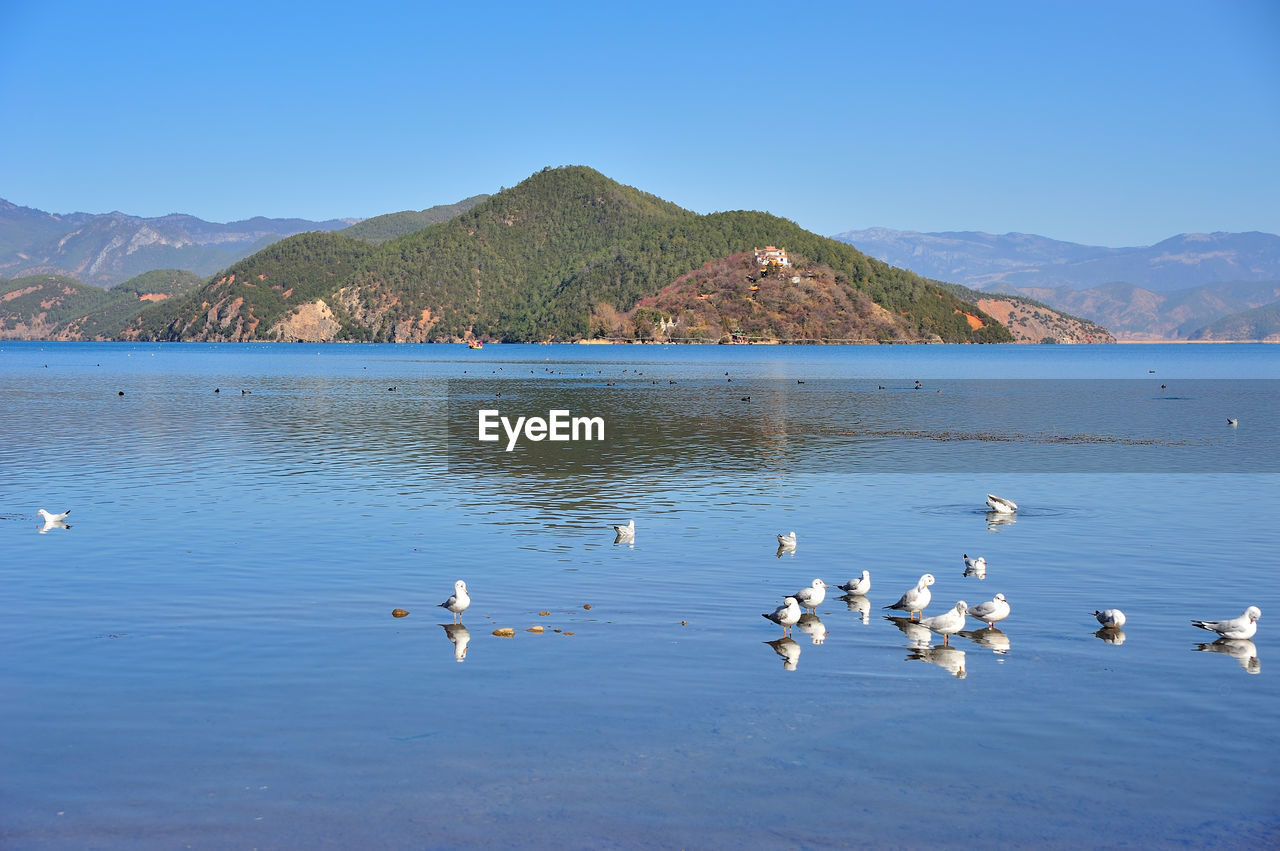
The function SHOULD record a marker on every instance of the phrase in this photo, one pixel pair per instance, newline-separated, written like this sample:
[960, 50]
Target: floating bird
[458, 601]
[627, 531]
[810, 598]
[975, 566]
[1001, 505]
[53, 518]
[1232, 421]
[1110, 618]
[1242, 627]
[787, 541]
[949, 622]
[994, 610]
[786, 615]
[859, 586]
[917, 598]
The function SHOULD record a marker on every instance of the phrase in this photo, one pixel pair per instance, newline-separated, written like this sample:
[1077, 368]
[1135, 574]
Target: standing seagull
[1242, 627]
[786, 615]
[917, 598]
[857, 587]
[948, 622]
[811, 597]
[459, 601]
[992, 611]
[1000, 505]
[787, 542]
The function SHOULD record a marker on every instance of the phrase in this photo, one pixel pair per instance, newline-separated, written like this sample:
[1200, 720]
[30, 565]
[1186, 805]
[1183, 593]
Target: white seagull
[917, 598]
[627, 531]
[1000, 505]
[458, 601]
[787, 542]
[975, 566]
[53, 518]
[1242, 627]
[991, 611]
[1110, 618]
[786, 615]
[811, 597]
[857, 587]
[949, 622]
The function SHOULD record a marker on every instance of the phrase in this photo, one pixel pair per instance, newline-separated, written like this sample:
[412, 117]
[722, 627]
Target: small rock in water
[544, 614]
[504, 632]
[586, 605]
[399, 613]
[536, 629]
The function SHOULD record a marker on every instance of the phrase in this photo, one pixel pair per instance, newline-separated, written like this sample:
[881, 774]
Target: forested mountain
[379, 229]
[533, 262]
[56, 307]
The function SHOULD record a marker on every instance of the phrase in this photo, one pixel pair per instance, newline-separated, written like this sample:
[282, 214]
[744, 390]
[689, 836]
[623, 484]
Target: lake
[204, 654]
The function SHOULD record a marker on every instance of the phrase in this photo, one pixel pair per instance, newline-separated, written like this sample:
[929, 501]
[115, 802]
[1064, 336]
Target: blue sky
[1117, 123]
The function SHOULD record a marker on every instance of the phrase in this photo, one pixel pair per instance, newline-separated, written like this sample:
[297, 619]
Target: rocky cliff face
[1031, 323]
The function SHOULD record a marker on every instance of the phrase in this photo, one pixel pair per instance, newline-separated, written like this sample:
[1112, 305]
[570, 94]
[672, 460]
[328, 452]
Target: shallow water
[207, 655]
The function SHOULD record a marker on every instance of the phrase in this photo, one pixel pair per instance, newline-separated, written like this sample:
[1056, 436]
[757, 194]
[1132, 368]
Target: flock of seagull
[804, 603]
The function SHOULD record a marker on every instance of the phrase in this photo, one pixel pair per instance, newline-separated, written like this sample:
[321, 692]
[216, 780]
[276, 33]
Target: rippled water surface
[207, 655]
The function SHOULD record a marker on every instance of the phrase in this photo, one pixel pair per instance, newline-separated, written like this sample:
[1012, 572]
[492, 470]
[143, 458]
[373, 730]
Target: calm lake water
[207, 657]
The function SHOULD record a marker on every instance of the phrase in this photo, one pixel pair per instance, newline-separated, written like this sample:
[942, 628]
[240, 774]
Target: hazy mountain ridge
[1166, 291]
[107, 249]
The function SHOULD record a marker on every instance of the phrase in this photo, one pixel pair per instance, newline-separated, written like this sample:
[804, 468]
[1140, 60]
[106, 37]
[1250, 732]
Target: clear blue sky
[1113, 123]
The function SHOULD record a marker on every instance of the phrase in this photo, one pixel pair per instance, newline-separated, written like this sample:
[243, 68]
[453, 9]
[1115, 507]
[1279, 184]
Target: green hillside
[379, 229]
[39, 306]
[533, 262]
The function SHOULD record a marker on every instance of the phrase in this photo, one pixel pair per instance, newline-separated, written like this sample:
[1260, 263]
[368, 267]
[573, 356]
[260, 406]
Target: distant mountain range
[107, 249]
[1172, 290]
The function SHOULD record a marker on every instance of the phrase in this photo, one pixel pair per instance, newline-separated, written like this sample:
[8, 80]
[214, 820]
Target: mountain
[985, 261]
[1031, 321]
[1135, 313]
[55, 307]
[1261, 323]
[534, 262]
[111, 248]
[379, 229]
[1162, 292]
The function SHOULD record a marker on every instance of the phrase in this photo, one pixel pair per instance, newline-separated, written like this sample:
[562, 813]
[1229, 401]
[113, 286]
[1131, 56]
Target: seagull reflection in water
[811, 626]
[783, 548]
[460, 636]
[53, 523]
[1111, 635]
[860, 604]
[951, 659]
[989, 639]
[918, 637]
[1242, 649]
[629, 540]
[995, 520]
[788, 649]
